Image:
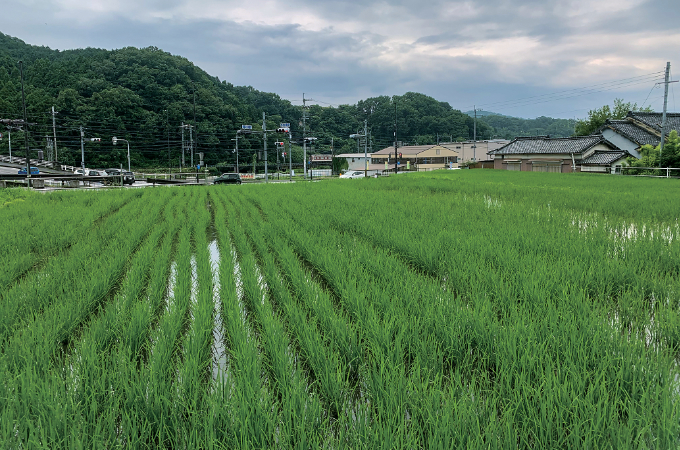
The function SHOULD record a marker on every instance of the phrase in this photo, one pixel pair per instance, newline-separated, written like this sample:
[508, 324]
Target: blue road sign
[246, 127]
[284, 125]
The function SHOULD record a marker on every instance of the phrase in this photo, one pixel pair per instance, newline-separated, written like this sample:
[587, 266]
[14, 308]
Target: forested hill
[144, 95]
[510, 127]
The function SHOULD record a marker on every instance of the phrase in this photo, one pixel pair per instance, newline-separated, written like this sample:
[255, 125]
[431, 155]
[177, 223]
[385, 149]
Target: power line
[527, 102]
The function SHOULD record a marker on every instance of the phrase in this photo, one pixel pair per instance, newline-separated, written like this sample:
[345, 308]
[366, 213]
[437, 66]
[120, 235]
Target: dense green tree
[671, 151]
[597, 117]
[144, 95]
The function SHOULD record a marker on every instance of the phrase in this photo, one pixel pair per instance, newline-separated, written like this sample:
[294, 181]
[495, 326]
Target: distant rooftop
[599, 157]
[630, 130]
[546, 144]
[409, 149]
[653, 119]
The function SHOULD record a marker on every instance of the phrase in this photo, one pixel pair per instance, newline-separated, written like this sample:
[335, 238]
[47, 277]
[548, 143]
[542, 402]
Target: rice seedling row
[299, 409]
[479, 310]
[32, 237]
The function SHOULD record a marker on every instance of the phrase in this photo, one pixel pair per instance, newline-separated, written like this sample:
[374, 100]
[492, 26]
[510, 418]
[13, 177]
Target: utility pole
[82, 149]
[665, 105]
[167, 127]
[190, 131]
[365, 149]
[278, 164]
[9, 136]
[23, 101]
[290, 156]
[191, 144]
[54, 131]
[181, 162]
[474, 137]
[264, 137]
[396, 154]
[304, 136]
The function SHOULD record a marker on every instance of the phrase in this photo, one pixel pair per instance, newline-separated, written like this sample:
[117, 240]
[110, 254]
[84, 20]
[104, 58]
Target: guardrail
[654, 172]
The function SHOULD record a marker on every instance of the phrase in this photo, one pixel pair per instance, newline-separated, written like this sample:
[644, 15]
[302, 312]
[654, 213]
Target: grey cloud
[340, 66]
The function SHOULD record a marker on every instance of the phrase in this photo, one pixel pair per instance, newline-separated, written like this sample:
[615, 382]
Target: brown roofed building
[475, 150]
[417, 157]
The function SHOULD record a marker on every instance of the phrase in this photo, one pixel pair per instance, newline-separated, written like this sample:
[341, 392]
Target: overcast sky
[503, 56]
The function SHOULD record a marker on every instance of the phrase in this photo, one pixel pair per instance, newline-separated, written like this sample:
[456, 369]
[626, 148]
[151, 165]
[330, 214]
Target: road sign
[284, 125]
[246, 127]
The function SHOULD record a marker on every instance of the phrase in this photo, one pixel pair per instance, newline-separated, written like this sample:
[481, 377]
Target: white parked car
[353, 174]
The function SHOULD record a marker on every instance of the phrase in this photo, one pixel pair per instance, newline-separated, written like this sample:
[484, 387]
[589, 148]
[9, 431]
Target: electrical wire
[600, 87]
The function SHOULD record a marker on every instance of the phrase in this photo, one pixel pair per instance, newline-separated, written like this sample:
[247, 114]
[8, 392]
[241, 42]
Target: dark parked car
[34, 171]
[128, 178]
[228, 178]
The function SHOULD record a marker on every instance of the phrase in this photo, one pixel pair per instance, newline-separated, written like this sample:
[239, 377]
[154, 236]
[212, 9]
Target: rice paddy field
[472, 309]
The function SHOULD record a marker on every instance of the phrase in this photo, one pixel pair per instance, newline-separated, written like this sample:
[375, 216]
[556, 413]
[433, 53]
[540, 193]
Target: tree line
[144, 95]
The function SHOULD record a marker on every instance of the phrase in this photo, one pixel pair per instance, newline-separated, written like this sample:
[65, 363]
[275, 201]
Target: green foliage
[339, 164]
[671, 151]
[144, 95]
[598, 117]
[652, 157]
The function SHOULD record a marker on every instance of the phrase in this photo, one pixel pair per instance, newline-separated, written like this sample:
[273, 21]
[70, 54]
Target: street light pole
[82, 150]
[358, 138]
[237, 137]
[115, 141]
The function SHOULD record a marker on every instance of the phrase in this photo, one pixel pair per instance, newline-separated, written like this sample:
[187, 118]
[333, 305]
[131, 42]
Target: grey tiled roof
[631, 131]
[603, 158]
[544, 144]
[653, 119]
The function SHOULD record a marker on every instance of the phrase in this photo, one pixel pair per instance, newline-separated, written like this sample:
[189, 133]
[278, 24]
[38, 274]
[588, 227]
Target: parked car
[128, 177]
[353, 174]
[34, 171]
[228, 178]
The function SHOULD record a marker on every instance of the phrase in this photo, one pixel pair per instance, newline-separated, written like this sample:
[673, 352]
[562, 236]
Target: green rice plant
[301, 422]
[31, 236]
[475, 309]
[48, 331]
[39, 290]
[250, 417]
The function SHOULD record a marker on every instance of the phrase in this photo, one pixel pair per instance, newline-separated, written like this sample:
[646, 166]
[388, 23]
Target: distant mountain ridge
[482, 113]
[145, 95]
